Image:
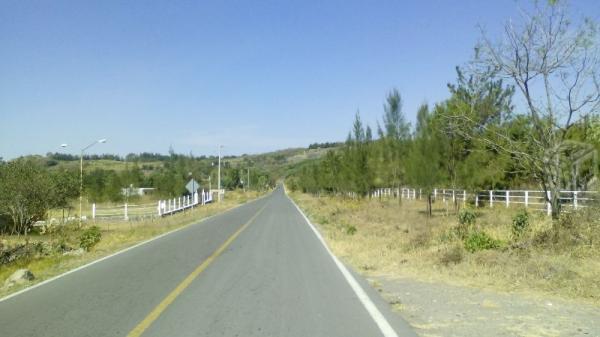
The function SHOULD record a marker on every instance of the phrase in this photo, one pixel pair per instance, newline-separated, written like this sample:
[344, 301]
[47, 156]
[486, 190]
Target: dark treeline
[170, 178]
[325, 145]
[71, 157]
[441, 150]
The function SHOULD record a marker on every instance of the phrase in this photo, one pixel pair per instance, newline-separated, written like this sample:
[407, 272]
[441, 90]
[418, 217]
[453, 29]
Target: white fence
[536, 200]
[141, 211]
[171, 206]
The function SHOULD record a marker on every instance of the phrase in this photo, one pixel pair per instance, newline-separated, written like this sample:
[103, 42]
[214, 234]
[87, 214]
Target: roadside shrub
[466, 217]
[478, 240]
[350, 230]
[90, 237]
[466, 220]
[520, 224]
[452, 255]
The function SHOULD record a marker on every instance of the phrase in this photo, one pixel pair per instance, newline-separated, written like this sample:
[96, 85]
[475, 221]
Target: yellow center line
[162, 306]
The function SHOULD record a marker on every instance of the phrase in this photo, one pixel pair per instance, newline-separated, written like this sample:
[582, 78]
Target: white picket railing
[164, 207]
[171, 206]
[532, 199]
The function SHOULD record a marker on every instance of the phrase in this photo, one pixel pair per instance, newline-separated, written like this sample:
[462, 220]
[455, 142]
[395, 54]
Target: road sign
[192, 186]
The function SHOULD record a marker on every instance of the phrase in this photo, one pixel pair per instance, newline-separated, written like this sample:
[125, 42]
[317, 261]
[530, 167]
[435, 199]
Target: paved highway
[257, 270]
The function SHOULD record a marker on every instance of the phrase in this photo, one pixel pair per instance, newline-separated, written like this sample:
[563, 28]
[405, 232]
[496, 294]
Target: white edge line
[384, 326]
[122, 251]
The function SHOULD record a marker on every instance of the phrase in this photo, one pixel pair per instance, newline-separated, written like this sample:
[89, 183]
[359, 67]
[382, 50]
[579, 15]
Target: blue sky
[252, 75]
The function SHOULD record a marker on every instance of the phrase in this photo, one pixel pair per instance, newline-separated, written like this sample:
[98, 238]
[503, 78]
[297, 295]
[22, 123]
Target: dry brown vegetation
[47, 258]
[383, 237]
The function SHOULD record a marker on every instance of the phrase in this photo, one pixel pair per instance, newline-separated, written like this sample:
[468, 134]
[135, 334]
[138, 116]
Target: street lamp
[99, 141]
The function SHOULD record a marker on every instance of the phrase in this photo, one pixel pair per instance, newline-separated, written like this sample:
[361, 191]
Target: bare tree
[554, 66]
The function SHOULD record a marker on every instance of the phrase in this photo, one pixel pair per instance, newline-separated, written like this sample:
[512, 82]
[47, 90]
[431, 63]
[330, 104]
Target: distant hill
[277, 163]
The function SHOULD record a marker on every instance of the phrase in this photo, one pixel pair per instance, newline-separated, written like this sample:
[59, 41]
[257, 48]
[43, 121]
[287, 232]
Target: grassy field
[115, 236]
[385, 238]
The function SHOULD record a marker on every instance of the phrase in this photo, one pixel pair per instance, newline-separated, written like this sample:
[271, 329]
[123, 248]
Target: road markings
[124, 250]
[382, 323]
[164, 304]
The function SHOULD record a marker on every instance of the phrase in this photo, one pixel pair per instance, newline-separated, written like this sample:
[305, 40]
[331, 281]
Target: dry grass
[115, 236]
[400, 240]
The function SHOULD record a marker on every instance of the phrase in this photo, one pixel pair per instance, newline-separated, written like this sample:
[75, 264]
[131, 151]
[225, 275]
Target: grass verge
[489, 250]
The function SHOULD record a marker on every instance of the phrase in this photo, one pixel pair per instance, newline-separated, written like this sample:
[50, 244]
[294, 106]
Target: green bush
[478, 240]
[520, 224]
[466, 216]
[350, 230]
[90, 237]
[466, 220]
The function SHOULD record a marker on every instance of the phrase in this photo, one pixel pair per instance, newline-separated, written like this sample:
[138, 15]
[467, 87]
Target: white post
[94, 210]
[435, 194]
[453, 197]
[526, 199]
[491, 198]
[575, 200]
[126, 217]
[477, 200]
[549, 210]
[464, 198]
[159, 203]
[507, 198]
[420, 194]
[444, 195]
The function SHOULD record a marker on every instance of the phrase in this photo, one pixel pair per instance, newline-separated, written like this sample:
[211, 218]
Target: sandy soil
[436, 309]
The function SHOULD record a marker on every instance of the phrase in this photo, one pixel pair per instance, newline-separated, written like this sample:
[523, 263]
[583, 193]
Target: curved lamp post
[99, 141]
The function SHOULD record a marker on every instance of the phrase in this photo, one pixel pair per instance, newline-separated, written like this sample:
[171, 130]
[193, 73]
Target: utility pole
[219, 179]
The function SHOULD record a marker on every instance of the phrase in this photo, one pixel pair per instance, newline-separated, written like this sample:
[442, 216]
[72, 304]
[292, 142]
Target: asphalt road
[257, 270]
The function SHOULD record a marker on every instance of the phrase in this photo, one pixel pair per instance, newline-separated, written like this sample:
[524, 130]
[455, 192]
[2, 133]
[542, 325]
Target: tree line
[29, 187]
[478, 138]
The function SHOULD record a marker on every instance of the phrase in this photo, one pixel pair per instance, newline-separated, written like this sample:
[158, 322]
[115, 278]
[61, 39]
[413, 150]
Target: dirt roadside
[436, 309]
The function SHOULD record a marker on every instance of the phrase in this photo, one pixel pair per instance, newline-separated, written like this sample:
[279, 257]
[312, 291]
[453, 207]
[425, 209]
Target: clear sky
[252, 75]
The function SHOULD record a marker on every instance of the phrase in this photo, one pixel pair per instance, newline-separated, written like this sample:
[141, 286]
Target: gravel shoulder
[436, 309]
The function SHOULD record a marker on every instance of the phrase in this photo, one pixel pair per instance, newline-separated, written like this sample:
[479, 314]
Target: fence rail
[533, 199]
[159, 209]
